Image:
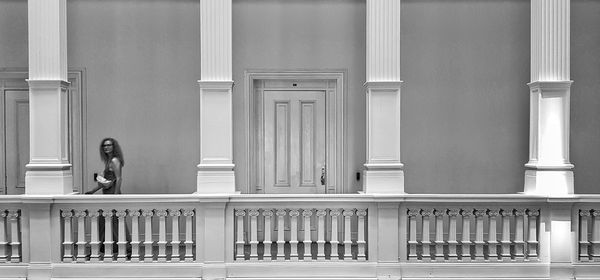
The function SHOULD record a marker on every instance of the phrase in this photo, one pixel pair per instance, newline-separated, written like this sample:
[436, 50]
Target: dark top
[109, 175]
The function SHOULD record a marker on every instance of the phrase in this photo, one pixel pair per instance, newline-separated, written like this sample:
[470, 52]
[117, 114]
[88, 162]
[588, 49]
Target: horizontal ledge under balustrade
[357, 197]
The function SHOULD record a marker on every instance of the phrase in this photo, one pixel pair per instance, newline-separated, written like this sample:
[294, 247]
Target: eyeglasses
[106, 145]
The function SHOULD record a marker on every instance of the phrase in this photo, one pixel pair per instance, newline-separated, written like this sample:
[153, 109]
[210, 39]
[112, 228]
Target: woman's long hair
[116, 151]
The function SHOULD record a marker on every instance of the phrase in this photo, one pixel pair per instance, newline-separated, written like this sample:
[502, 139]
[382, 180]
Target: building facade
[331, 139]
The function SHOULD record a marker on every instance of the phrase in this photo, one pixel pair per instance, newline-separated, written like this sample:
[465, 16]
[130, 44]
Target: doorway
[14, 135]
[295, 129]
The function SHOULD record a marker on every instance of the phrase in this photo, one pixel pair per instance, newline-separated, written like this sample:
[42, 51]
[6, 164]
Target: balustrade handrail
[259, 198]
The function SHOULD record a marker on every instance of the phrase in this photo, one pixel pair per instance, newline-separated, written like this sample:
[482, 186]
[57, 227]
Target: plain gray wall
[585, 94]
[142, 62]
[13, 33]
[465, 64]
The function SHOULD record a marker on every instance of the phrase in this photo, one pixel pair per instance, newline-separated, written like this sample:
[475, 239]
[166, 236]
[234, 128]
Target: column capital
[215, 84]
[47, 84]
[550, 85]
[383, 84]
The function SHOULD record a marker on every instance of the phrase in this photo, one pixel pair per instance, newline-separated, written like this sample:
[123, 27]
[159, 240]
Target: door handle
[323, 176]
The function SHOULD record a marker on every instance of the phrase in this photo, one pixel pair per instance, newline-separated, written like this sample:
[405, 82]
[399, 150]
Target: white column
[215, 171]
[49, 170]
[549, 171]
[384, 170]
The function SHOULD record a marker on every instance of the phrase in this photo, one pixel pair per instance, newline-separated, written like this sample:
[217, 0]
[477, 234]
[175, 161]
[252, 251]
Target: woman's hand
[102, 181]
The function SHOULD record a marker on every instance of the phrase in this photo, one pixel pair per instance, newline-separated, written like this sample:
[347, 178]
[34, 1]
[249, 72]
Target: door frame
[16, 79]
[332, 82]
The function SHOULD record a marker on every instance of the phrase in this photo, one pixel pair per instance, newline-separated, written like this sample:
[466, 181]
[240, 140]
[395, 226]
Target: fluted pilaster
[549, 169]
[383, 40]
[215, 170]
[550, 37]
[215, 40]
[47, 23]
[49, 170]
[383, 172]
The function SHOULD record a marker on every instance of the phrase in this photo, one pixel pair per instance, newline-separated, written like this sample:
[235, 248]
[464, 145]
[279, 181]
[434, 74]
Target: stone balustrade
[333, 236]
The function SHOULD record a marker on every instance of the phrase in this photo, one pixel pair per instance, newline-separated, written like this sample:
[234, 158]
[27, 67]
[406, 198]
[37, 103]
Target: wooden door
[16, 117]
[294, 141]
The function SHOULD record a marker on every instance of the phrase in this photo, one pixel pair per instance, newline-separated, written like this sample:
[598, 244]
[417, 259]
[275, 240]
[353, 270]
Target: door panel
[16, 117]
[282, 144]
[294, 141]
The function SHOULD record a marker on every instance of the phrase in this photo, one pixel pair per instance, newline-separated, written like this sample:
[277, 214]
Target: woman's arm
[115, 165]
[92, 191]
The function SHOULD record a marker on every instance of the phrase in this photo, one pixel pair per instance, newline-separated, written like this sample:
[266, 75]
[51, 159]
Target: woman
[112, 156]
[110, 183]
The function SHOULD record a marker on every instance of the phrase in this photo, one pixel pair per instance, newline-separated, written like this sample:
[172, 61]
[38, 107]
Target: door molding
[330, 81]
[15, 79]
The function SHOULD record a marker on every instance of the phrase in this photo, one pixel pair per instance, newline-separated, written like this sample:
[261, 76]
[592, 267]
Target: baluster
[505, 242]
[321, 234]
[362, 243]
[162, 235]
[532, 242]
[452, 236]
[479, 216]
[348, 213]
[122, 242]
[412, 235]
[280, 233]
[596, 235]
[67, 214]
[268, 241]
[294, 213]
[492, 234]
[94, 238]
[425, 238]
[148, 242]
[584, 244]
[15, 242]
[334, 213]
[519, 232]
[439, 234]
[307, 236]
[175, 242]
[189, 237]
[466, 234]
[135, 235]
[240, 238]
[253, 213]
[108, 236]
[80, 215]
[3, 241]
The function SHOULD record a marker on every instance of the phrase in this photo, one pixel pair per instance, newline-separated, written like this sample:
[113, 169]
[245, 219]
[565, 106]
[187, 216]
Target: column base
[383, 181]
[211, 180]
[549, 182]
[48, 179]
